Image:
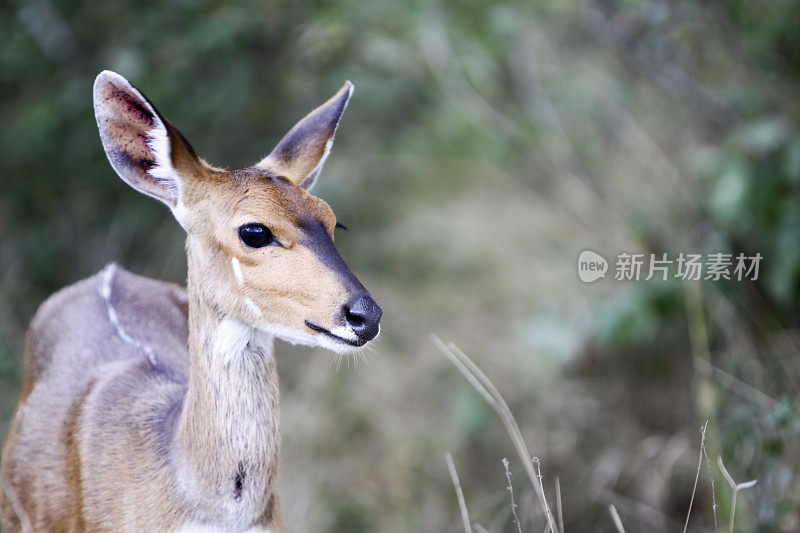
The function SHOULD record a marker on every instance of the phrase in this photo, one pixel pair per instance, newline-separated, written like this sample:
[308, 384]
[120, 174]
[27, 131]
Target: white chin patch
[345, 333]
[293, 336]
[334, 345]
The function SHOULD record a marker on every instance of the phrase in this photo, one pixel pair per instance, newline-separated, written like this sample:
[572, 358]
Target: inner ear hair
[144, 148]
[301, 153]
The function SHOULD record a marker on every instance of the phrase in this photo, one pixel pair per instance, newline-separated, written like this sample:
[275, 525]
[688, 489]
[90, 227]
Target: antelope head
[261, 247]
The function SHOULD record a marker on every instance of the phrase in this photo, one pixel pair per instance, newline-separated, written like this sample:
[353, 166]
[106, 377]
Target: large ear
[142, 146]
[302, 152]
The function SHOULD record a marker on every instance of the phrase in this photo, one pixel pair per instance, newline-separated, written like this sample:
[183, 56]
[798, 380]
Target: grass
[697, 475]
[481, 383]
[736, 487]
[490, 393]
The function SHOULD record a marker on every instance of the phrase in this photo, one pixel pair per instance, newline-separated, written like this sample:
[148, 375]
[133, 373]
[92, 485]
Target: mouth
[337, 338]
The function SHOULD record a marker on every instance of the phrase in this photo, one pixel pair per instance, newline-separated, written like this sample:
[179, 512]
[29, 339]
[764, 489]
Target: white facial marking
[344, 332]
[237, 271]
[253, 307]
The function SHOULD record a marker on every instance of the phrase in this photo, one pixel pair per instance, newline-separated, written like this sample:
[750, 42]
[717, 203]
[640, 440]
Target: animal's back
[106, 364]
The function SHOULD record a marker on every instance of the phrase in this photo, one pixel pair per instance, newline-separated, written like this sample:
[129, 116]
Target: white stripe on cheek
[237, 270]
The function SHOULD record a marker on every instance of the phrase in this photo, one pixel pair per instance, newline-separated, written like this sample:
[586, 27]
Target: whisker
[330, 362]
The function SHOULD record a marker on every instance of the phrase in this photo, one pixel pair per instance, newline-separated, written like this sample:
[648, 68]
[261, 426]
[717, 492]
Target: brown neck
[228, 433]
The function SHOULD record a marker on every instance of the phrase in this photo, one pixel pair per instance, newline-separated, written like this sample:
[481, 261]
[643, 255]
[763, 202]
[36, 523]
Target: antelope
[145, 407]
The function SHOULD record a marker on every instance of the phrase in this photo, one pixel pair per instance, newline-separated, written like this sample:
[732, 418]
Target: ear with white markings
[302, 152]
[148, 152]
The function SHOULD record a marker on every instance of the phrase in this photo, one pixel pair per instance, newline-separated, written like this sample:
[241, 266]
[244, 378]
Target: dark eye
[255, 235]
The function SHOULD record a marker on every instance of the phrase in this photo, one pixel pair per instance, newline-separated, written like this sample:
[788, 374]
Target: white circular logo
[591, 266]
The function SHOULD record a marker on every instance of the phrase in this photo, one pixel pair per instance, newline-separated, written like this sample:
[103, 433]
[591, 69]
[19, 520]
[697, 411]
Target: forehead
[260, 192]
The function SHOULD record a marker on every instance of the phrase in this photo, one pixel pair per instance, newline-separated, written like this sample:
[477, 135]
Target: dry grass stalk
[615, 517]
[713, 491]
[510, 489]
[481, 383]
[697, 475]
[459, 493]
[538, 464]
[558, 506]
[736, 487]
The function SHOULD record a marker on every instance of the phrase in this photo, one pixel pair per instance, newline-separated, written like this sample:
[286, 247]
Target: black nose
[363, 315]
